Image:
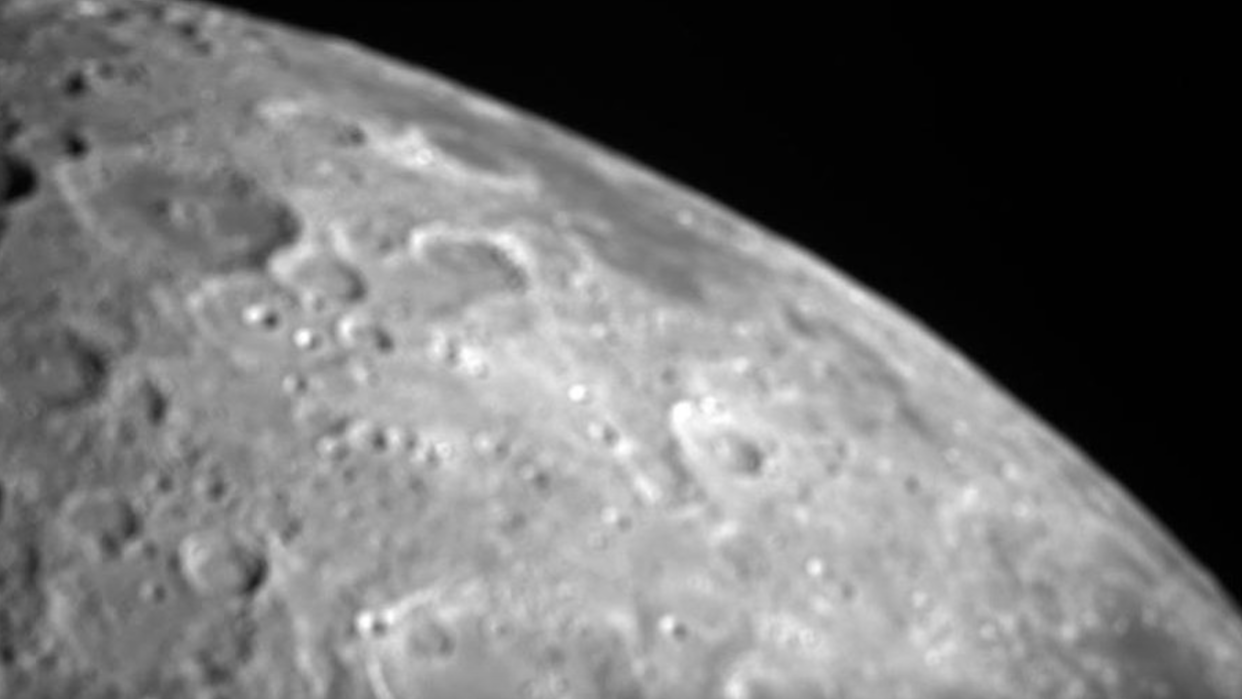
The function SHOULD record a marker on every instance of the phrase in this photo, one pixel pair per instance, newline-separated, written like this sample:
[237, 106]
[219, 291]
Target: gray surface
[321, 376]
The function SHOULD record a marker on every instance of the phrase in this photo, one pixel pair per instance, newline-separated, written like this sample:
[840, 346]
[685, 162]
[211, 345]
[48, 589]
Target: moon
[325, 376]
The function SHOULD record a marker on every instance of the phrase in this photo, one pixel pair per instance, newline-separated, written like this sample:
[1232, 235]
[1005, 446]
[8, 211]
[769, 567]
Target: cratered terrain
[323, 376]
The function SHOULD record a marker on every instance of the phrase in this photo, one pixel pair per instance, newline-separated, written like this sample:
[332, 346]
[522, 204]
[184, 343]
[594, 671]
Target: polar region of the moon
[324, 377]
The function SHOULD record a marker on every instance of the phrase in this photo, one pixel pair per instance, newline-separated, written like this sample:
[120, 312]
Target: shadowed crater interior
[18, 180]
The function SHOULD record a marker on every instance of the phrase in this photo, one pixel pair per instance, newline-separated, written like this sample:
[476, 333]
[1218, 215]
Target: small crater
[18, 179]
[76, 145]
[714, 445]
[104, 522]
[262, 316]
[212, 488]
[453, 352]
[194, 34]
[219, 564]
[359, 333]
[738, 454]
[605, 434]
[324, 281]
[78, 82]
[673, 628]
[367, 437]
[428, 639]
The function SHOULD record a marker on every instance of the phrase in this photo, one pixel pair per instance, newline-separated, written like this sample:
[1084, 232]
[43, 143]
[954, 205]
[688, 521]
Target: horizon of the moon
[327, 376]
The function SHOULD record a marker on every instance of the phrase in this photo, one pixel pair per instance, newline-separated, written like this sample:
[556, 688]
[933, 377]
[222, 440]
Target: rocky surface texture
[325, 377]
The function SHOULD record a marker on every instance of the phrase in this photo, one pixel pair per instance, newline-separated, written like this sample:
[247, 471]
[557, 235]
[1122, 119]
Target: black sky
[1034, 186]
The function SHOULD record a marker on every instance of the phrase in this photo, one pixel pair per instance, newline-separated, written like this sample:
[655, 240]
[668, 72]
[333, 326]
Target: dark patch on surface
[652, 260]
[214, 219]
[1151, 661]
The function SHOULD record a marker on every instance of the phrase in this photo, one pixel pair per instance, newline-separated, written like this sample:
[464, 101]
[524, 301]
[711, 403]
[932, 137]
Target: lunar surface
[324, 377]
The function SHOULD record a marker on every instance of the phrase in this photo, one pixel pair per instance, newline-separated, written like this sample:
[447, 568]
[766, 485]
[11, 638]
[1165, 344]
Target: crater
[51, 367]
[101, 521]
[455, 275]
[322, 280]
[427, 639]
[219, 564]
[717, 447]
[379, 236]
[478, 268]
[212, 218]
[217, 649]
